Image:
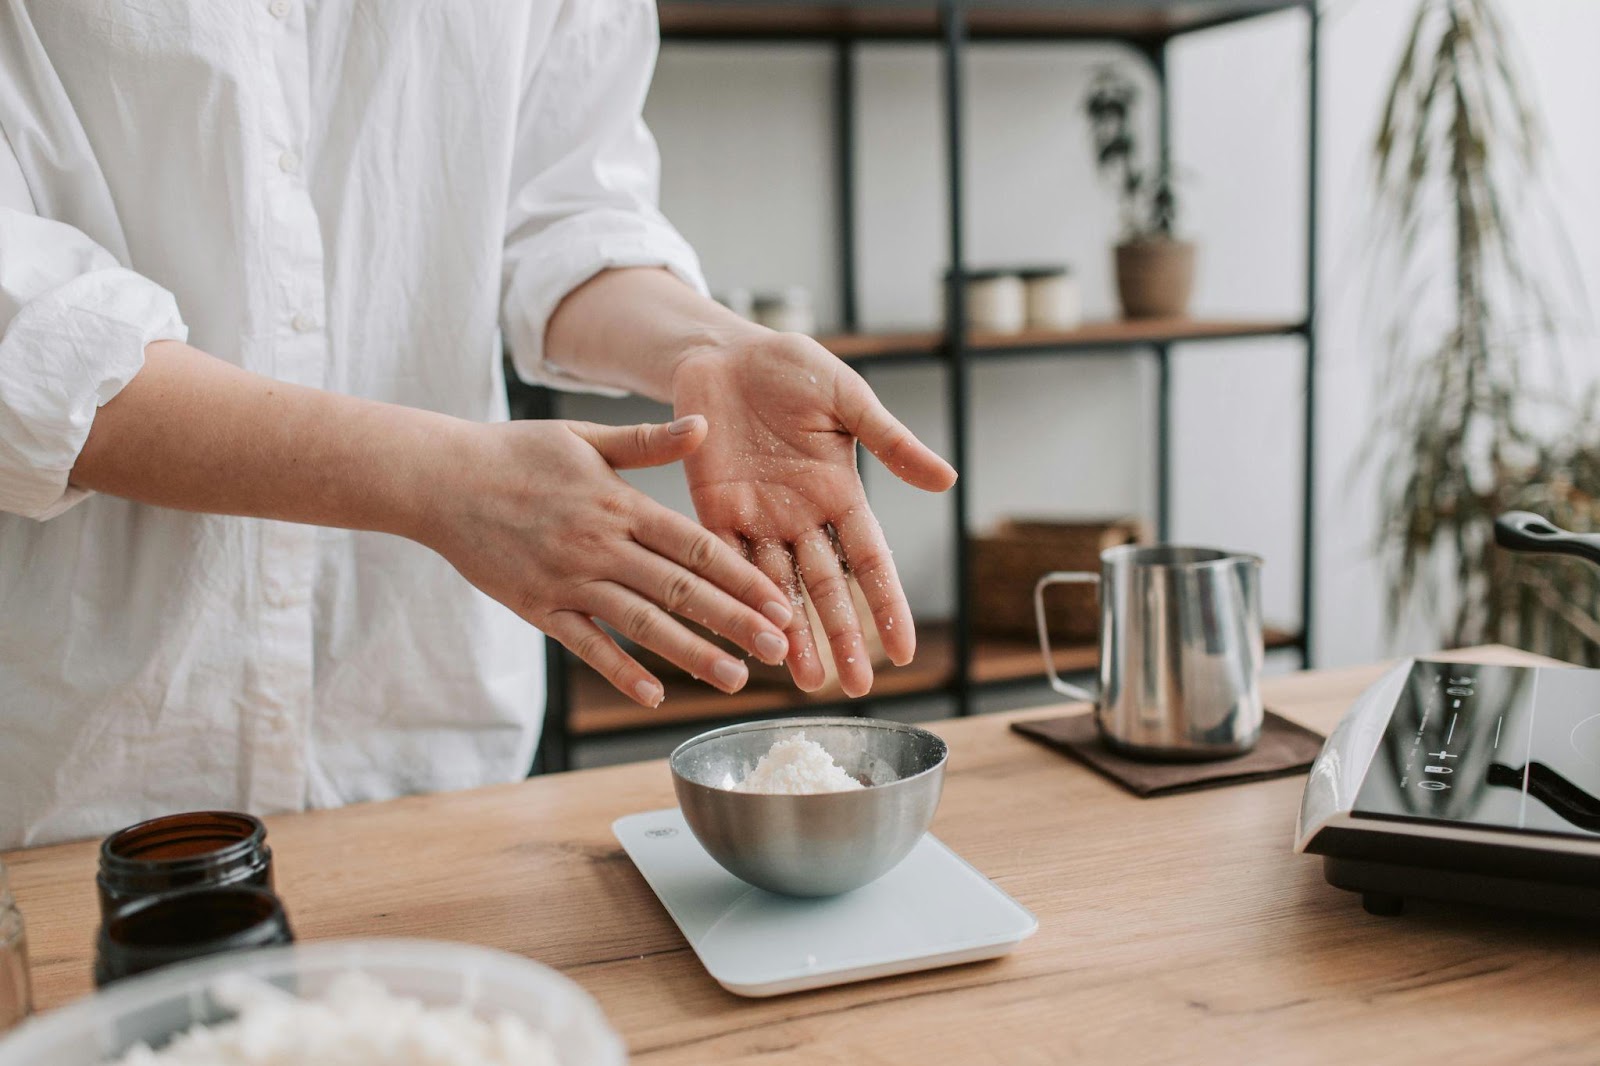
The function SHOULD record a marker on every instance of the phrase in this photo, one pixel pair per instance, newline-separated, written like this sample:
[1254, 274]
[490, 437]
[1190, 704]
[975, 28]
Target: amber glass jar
[190, 923]
[215, 848]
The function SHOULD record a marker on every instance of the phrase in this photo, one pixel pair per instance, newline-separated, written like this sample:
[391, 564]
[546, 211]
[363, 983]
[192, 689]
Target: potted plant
[1466, 434]
[1155, 270]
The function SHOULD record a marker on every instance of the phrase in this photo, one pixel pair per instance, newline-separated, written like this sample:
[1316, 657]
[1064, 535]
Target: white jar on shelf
[1052, 298]
[995, 301]
[787, 311]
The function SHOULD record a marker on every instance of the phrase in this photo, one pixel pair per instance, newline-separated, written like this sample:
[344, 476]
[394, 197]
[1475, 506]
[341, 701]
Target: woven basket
[1007, 562]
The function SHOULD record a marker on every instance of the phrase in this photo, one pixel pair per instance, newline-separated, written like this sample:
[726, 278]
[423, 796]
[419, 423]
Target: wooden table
[1174, 929]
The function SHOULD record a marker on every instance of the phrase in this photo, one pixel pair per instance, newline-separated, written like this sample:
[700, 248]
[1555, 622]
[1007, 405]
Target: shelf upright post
[844, 176]
[1156, 51]
[1163, 442]
[952, 16]
[1308, 517]
[844, 194]
[555, 742]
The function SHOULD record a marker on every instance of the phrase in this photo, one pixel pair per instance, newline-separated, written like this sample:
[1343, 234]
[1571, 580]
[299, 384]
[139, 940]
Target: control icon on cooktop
[1495, 747]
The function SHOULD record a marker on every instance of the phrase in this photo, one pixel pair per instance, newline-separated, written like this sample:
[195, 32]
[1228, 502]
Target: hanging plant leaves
[1456, 443]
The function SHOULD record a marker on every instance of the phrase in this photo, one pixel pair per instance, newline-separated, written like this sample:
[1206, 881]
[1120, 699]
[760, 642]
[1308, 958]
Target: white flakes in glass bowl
[357, 1022]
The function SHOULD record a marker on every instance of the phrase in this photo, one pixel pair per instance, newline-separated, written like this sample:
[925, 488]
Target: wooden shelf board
[1017, 658]
[598, 709]
[909, 18]
[864, 347]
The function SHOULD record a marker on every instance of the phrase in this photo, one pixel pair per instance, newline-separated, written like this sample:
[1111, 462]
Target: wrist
[438, 469]
[634, 327]
[714, 352]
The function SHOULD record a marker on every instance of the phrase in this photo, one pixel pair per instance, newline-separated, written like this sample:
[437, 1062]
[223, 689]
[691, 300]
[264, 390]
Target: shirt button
[279, 8]
[289, 162]
[303, 323]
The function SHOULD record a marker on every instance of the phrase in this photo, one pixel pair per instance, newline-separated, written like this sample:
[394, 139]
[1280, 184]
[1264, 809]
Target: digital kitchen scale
[932, 910]
[1471, 783]
[1463, 782]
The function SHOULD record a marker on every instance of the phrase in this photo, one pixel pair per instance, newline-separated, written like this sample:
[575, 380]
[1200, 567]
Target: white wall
[746, 143]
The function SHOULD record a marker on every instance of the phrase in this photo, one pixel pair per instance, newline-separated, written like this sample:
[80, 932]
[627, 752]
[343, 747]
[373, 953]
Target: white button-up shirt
[356, 196]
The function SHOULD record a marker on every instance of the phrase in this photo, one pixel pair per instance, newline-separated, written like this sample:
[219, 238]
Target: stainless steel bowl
[819, 845]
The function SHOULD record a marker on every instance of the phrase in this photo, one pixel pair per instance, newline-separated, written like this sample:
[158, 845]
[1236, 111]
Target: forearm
[195, 433]
[630, 329]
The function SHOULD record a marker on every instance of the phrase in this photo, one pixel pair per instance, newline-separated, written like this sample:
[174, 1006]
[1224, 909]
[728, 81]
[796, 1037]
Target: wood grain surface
[1174, 929]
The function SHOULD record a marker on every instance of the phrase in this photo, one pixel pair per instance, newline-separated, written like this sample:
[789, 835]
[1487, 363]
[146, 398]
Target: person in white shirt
[269, 542]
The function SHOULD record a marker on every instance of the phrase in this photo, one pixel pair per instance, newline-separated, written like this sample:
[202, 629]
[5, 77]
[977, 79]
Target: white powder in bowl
[356, 1023]
[795, 766]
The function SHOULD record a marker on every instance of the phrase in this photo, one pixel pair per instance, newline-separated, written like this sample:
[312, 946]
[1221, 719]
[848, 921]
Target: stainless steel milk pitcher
[1180, 650]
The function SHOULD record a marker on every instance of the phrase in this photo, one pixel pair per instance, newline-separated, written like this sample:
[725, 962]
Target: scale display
[1498, 747]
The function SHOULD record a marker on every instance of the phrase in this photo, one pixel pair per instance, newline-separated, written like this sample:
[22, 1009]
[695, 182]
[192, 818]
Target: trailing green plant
[1465, 433]
[1149, 206]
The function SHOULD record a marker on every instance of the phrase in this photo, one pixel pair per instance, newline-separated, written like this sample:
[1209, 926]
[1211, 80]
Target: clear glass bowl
[154, 1007]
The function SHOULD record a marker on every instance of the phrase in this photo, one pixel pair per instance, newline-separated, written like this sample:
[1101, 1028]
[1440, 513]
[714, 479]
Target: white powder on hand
[357, 1023]
[795, 766]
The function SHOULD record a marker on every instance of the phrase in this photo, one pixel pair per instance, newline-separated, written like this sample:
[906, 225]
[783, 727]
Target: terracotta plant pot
[1155, 277]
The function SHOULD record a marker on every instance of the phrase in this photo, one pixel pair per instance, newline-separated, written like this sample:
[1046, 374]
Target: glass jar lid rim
[252, 838]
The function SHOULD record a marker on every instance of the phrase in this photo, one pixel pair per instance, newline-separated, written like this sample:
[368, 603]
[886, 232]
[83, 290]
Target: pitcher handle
[1059, 577]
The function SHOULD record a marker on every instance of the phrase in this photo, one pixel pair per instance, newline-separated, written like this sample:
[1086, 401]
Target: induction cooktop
[1463, 782]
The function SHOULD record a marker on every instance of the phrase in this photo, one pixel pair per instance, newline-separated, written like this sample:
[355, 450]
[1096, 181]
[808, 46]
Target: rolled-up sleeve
[585, 177]
[73, 327]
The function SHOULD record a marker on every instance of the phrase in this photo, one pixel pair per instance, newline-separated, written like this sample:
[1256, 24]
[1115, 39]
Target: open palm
[777, 479]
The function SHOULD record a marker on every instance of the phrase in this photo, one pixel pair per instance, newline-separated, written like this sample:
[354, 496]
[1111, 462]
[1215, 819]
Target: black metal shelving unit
[1146, 26]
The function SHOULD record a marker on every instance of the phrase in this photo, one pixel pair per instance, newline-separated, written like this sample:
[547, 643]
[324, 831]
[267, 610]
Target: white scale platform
[932, 910]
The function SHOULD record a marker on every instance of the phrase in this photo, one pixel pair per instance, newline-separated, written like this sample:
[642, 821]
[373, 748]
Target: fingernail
[649, 692]
[730, 673]
[777, 613]
[686, 424]
[771, 647]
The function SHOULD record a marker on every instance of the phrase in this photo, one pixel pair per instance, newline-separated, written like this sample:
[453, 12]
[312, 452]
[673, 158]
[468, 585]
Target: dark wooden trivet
[1284, 749]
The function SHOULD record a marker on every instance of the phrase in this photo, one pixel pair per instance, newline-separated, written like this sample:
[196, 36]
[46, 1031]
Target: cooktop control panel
[1497, 747]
